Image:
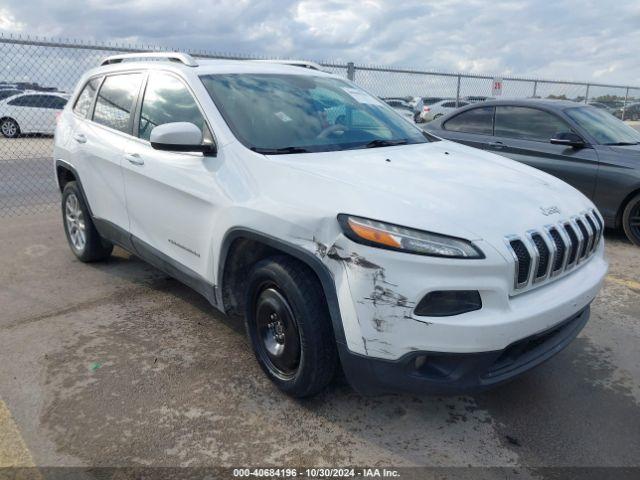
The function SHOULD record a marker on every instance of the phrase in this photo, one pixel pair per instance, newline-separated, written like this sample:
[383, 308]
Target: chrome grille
[540, 255]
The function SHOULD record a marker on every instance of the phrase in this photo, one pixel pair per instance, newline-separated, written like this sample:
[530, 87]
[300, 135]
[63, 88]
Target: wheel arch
[66, 173]
[242, 247]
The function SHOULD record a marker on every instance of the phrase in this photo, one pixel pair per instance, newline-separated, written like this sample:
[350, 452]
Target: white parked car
[30, 112]
[339, 231]
[401, 106]
[438, 109]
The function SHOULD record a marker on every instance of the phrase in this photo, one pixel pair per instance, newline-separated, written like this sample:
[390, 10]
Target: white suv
[343, 234]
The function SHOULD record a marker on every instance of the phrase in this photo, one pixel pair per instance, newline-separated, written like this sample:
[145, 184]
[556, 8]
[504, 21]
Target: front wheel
[289, 326]
[84, 240]
[9, 128]
[631, 220]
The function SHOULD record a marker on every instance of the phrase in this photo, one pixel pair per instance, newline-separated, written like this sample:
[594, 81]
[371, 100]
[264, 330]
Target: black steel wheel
[289, 326]
[279, 339]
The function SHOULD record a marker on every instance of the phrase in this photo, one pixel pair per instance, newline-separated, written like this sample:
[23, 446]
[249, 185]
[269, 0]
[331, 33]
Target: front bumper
[378, 291]
[453, 373]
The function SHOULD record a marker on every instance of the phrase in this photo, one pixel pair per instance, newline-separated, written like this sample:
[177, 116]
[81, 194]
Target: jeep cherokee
[343, 234]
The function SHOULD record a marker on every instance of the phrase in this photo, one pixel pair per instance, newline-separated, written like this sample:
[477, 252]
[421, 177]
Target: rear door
[523, 134]
[99, 143]
[473, 127]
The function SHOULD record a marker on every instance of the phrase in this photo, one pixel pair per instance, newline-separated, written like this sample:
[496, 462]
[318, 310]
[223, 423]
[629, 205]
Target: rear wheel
[289, 327]
[9, 128]
[631, 220]
[84, 240]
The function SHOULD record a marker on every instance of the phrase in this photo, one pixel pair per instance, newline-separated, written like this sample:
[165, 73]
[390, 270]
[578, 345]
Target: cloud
[8, 22]
[567, 39]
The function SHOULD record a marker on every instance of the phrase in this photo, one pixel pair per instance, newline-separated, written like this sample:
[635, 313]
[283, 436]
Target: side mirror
[568, 139]
[179, 137]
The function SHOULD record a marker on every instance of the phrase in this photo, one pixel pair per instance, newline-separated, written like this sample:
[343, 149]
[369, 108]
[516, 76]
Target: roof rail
[296, 63]
[183, 58]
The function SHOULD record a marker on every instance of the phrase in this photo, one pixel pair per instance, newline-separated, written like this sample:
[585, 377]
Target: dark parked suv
[583, 145]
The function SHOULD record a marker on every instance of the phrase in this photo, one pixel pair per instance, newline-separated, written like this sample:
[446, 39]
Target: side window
[477, 120]
[527, 123]
[85, 99]
[25, 101]
[166, 100]
[116, 100]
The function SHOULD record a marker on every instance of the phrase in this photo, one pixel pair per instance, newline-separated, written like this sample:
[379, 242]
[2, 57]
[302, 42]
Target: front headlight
[394, 237]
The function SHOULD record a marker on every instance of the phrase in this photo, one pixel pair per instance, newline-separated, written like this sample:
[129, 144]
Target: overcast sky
[591, 40]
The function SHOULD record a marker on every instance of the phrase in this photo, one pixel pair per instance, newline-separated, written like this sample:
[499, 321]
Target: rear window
[54, 102]
[477, 120]
[115, 101]
[33, 101]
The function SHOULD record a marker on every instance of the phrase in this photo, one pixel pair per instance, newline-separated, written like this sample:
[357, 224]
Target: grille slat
[523, 260]
[594, 233]
[561, 250]
[573, 240]
[545, 253]
[585, 238]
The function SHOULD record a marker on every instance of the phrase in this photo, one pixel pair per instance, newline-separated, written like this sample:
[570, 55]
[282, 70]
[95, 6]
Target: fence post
[351, 71]
[586, 95]
[458, 92]
[624, 105]
[535, 88]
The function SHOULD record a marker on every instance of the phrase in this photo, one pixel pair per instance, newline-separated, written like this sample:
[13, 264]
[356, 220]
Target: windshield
[278, 114]
[604, 127]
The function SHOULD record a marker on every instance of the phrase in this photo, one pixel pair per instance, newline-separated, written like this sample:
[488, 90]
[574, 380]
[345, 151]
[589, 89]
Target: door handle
[497, 145]
[80, 138]
[134, 158]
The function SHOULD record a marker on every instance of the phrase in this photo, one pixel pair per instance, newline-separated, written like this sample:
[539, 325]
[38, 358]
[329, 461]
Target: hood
[441, 186]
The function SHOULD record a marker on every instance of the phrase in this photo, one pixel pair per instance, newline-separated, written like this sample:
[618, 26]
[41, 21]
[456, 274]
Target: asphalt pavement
[117, 364]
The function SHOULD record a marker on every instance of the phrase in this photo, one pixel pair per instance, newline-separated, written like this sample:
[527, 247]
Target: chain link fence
[37, 76]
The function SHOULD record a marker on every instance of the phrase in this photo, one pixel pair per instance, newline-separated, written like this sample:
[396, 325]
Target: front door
[523, 134]
[172, 197]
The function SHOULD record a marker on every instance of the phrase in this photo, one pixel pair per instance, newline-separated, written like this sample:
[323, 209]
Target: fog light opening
[446, 303]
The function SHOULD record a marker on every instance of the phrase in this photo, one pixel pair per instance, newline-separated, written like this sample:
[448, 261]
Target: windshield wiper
[279, 151]
[385, 143]
[619, 144]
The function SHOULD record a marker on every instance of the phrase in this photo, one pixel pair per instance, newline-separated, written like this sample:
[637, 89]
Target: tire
[289, 326]
[9, 128]
[631, 220]
[84, 240]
